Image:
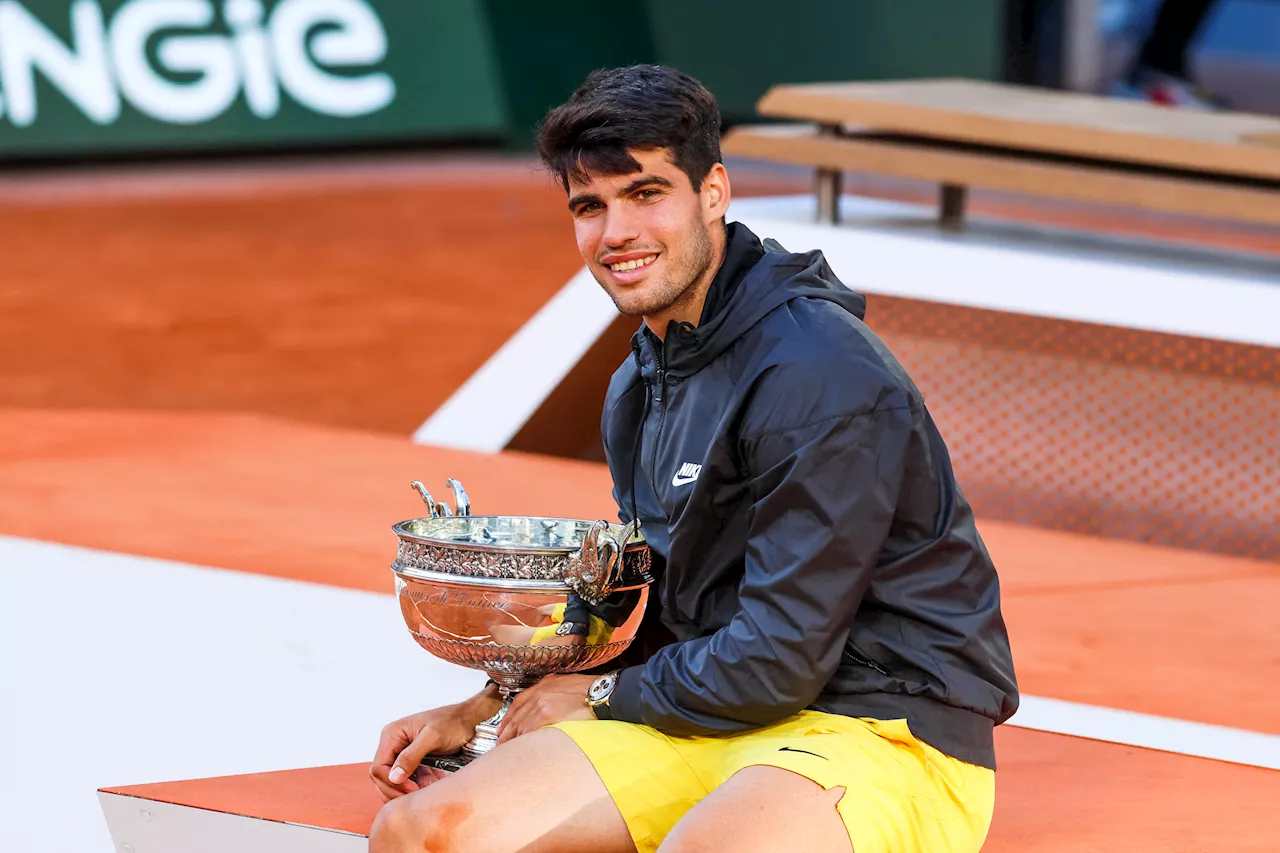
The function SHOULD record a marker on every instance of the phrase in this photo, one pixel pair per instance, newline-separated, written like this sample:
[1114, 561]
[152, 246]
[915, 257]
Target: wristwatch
[599, 692]
[581, 629]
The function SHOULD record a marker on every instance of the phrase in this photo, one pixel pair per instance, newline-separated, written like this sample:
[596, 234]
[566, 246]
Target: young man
[838, 656]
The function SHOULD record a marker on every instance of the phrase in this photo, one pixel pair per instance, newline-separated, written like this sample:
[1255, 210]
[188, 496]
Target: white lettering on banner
[80, 74]
[209, 56]
[260, 90]
[359, 41]
[293, 48]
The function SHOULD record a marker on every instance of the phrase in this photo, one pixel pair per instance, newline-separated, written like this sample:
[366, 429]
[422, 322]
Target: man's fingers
[510, 728]
[411, 756]
[429, 776]
[516, 721]
[510, 725]
[392, 740]
[381, 773]
[521, 701]
[390, 743]
[387, 792]
[507, 728]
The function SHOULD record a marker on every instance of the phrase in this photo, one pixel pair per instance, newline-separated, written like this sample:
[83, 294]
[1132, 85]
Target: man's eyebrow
[645, 180]
[642, 181]
[582, 199]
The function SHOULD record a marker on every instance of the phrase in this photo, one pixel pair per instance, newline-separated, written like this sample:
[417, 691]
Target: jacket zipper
[860, 657]
[659, 397]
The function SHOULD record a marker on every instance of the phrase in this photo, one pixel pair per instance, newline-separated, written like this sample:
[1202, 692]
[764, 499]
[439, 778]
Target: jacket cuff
[624, 702]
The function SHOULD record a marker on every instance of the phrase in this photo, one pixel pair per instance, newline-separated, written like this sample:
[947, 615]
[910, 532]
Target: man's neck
[688, 308]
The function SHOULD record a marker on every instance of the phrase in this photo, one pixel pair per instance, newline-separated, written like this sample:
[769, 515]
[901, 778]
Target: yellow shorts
[901, 795]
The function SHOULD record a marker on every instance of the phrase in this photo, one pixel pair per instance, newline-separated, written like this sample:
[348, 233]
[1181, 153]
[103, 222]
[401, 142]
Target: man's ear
[715, 193]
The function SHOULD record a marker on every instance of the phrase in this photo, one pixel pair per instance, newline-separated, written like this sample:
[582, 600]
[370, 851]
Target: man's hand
[440, 730]
[554, 699]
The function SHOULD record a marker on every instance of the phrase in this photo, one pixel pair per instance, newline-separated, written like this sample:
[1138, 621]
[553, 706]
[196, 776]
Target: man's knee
[423, 823]
[394, 827]
[389, 827]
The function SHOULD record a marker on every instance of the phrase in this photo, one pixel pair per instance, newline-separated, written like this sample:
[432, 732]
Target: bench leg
[951, 204]
[830, 185]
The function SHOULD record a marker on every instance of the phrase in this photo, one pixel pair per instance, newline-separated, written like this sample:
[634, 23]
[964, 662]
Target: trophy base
[443, 763]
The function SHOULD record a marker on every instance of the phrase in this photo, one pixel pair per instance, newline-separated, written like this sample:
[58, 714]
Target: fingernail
[396, 775]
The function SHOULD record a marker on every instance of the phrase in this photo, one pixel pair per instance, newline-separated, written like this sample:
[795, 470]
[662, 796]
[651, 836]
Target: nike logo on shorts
[805, 751]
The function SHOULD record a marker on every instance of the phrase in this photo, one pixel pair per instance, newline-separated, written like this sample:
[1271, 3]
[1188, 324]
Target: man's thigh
[535, 793]
[898, 793]
[761, 810]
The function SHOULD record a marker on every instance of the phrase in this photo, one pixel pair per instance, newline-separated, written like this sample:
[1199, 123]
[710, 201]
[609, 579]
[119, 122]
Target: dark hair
[641, 107]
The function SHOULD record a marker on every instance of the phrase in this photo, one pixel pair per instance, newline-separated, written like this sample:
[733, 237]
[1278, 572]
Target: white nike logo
[687, 474]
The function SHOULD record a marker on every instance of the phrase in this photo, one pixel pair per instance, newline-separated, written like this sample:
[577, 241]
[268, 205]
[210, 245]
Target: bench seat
[958, 167]
[1061, 145]
[1055, 794]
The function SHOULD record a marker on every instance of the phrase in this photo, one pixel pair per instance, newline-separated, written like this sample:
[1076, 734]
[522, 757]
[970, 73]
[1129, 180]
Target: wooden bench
[961, 134]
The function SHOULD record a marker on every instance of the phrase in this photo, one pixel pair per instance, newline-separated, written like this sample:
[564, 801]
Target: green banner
[103, 76]
[738, 51]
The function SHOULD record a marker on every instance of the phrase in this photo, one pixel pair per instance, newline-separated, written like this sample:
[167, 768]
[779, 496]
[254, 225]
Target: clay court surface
[358, 296]
[223, 367]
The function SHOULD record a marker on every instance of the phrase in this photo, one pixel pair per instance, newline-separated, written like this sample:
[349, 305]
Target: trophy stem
[486, 736]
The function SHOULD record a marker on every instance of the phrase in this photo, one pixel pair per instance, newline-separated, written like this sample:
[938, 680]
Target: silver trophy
[518, 597]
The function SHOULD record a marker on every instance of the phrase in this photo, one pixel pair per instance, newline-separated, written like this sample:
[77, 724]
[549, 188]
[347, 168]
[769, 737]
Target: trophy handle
[596, 569]
[432, 512]
[609, 559]
[440, 509]
[460, 500]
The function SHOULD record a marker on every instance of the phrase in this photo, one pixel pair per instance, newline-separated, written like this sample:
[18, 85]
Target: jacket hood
[738, 300]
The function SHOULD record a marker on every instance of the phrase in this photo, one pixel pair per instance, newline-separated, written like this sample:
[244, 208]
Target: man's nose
[620, 228]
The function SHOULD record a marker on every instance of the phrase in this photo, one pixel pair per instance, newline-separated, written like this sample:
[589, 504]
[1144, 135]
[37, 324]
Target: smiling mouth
[627, 266]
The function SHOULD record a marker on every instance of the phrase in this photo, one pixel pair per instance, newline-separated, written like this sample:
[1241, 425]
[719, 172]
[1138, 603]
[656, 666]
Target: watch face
[602, 687]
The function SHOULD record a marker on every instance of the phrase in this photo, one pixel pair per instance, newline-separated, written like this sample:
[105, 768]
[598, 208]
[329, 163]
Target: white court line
[1104, 286]
[1167, 734]
[489, 409]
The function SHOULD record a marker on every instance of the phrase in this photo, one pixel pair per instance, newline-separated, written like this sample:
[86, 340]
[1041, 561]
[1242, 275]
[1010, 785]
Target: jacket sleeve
[823, 499]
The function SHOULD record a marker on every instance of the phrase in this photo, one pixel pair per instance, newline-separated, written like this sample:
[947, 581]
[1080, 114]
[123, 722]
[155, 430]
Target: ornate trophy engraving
[518, 597]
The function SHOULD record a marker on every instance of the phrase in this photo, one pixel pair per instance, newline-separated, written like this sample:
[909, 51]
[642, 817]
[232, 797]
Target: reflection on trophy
[494, 593]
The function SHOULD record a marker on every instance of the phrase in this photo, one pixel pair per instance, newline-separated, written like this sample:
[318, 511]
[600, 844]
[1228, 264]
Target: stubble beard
[669, 291]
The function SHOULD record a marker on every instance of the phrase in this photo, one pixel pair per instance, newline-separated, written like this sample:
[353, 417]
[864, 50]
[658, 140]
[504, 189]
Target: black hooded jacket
[813, 546]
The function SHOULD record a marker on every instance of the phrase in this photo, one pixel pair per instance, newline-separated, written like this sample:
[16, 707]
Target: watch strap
[602, 710]
[579, 629]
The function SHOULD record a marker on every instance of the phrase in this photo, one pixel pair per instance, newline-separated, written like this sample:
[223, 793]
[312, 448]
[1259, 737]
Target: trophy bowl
[518, 597]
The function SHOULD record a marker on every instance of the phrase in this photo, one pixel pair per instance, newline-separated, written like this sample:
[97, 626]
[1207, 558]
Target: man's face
[646, 235]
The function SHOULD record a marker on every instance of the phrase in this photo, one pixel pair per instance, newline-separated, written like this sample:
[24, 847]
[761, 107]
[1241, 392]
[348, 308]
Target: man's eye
[647, 195]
